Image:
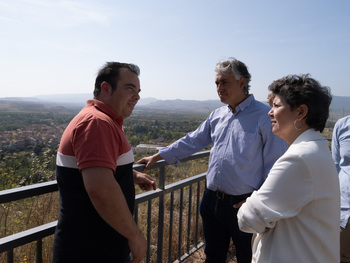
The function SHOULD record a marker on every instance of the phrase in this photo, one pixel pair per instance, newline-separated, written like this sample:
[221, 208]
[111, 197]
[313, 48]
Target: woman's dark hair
[298, 90]
[110, 73]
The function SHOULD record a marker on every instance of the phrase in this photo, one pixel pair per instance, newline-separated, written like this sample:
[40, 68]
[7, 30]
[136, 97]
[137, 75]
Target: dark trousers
[220, 225]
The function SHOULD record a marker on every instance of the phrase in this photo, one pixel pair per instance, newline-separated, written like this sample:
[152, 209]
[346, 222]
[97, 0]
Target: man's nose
[136, 96]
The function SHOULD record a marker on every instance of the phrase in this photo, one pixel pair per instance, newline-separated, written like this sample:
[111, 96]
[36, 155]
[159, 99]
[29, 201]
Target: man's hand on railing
[144, 181]
[149, 161]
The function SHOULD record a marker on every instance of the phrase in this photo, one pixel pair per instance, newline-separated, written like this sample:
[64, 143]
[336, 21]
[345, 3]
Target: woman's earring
[298, 129]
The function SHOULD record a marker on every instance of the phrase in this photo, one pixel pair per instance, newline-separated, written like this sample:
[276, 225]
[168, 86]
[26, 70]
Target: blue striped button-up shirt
[243, 147]
[341, 157]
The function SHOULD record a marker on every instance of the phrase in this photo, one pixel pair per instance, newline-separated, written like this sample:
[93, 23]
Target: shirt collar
[309, 135]
[101, 106]
[244, 104]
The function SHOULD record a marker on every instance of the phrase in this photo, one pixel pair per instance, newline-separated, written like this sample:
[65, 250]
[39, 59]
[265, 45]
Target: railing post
[189, 219]
[39, 251]
[149, 222]
[10, 256]
[161, 216]
[197, 212]
[171, 226]
[180, 223]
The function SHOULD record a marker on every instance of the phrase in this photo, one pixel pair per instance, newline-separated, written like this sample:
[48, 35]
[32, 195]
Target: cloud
[55, 14]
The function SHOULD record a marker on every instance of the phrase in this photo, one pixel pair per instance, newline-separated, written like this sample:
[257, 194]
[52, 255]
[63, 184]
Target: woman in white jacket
[295, 214]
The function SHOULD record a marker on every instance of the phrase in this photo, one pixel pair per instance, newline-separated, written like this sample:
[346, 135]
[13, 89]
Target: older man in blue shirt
[341, 157]
[243, 152]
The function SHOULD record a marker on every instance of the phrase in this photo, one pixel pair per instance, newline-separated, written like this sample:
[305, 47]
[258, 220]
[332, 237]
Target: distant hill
[33, 106]
[340, 105]
[195, 106]
[145, 104]
[70, 100]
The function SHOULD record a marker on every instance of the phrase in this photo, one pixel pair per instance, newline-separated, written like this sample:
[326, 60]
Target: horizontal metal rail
[27, 236]
[27, 191]
[9, 243]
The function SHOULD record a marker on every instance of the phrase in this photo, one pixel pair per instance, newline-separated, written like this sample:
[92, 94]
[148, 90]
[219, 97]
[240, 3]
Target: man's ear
[105, 88]
[242, 83]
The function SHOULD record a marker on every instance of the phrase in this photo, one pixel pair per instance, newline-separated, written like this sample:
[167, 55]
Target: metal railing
[165, 195]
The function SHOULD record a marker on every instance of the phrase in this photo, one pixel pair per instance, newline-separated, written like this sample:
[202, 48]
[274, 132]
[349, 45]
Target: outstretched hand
[149, 161]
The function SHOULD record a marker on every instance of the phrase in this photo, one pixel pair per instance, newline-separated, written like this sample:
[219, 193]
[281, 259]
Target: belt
[232, 198]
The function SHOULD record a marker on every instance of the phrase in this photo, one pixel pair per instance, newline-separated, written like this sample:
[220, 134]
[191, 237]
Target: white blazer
[295, 214]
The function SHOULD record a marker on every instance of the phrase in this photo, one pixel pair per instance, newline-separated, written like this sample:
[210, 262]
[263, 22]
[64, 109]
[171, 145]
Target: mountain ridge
[340, 105]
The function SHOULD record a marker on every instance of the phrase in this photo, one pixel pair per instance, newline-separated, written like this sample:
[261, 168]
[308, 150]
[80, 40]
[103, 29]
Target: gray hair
[235, 67]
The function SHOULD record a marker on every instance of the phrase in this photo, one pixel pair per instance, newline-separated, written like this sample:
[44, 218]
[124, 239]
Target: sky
[56, 47]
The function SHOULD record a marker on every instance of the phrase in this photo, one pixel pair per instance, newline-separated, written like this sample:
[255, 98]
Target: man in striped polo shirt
[95, 176]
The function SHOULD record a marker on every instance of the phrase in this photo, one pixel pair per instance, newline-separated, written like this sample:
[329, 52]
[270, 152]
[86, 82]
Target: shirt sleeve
[96, 144]
[335, 147]
[189, 144]
[254, 216]
[287, 189]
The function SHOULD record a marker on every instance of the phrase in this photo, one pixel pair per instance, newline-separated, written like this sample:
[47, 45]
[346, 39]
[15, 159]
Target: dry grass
[25, 214]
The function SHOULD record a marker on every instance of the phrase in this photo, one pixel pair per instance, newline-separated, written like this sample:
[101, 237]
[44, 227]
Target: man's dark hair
[110, 73]
[298, 90]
